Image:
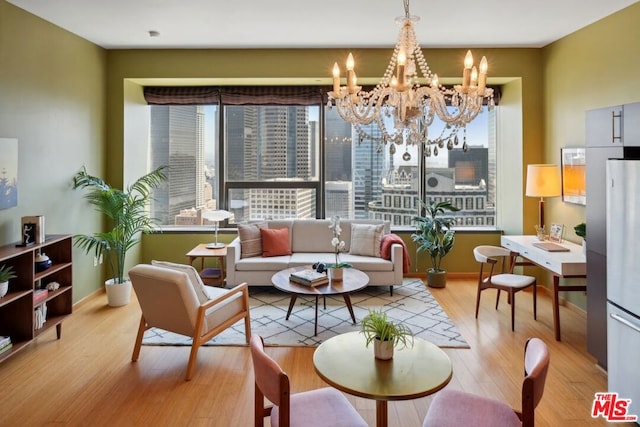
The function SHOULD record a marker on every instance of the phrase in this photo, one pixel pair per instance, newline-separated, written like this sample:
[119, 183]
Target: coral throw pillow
[275, 241]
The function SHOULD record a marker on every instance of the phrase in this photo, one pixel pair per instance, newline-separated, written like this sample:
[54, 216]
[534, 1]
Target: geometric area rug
[411, 303]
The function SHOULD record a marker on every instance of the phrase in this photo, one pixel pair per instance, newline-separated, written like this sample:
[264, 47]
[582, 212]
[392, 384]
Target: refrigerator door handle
[625, 322]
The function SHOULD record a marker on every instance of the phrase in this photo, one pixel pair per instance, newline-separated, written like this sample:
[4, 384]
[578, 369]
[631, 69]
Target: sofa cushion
[366, 239]
[275, 242]
[274, 264]
[193, 275]
[311, 236]
[364, 263]
[250, 239]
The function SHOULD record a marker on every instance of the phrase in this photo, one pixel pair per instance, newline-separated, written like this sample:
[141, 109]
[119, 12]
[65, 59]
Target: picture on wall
[574, 189]
[8, 173]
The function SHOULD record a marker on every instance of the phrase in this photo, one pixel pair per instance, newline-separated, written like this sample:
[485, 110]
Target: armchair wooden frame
[200, 334]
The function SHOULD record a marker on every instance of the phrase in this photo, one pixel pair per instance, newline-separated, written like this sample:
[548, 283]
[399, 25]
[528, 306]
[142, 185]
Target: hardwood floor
[87, 377]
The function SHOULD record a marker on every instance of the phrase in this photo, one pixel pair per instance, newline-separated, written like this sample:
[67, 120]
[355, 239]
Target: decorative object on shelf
[216, 216]
[338, 247]
[543, 181]
[574, 182]
[52, 286]
[541, 234]
[126, 211]
[42, 262]
[556, 233]
[434, 235]
[403, 105]
[385, 334]
[6, 274]
[33, 230]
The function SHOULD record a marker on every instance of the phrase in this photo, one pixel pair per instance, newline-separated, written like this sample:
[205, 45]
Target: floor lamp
[216, 216]
[543, 181]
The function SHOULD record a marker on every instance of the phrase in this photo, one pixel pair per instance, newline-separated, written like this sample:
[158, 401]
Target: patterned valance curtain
[247, 95]
[181, 95]
[234, 95]
[271, 95]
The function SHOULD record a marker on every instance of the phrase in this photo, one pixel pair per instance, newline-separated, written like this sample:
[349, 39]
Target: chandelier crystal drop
[403, 104]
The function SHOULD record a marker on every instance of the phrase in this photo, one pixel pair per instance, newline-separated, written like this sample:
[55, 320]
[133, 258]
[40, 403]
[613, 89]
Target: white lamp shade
[543, 181]
[216, 215]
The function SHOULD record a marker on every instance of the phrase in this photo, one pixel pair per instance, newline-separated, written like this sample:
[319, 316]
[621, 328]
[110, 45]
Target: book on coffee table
[309, 277]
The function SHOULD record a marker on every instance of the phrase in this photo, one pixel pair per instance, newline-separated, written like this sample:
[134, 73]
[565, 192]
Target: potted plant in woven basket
[385, 334]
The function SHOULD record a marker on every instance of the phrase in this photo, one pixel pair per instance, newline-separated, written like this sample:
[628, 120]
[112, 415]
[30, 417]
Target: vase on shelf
[4, 288]
[336, 274]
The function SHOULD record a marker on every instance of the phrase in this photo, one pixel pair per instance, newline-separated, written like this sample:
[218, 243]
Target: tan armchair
[169, 301]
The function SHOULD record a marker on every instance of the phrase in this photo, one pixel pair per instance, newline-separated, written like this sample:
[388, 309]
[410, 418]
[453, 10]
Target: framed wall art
[574, 188]
[8, 173]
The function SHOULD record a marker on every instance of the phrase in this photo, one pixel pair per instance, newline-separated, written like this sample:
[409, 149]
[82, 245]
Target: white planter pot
[336, 274]
[383, 350]
[118, 294]
[4, 288]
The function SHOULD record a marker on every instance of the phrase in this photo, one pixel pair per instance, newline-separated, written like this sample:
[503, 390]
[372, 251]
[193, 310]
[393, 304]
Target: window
[257, 153]
[375, 178]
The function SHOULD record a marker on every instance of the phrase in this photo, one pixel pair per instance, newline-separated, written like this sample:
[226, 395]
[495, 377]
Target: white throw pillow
[366, 239]
[193, 275]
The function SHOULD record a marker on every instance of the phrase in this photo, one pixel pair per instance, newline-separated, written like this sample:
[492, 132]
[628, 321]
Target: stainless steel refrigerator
[623, 279]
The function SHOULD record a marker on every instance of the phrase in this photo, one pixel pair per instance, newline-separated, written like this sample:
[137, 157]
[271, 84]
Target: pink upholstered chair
[451, 408]
[170, 300]
[500, 263]
[322, 407]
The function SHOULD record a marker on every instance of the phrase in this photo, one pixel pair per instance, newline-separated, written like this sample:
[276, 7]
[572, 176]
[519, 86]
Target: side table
[210, 276]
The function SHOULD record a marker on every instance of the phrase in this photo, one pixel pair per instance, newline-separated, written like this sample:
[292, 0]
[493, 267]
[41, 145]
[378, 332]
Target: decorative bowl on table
[42, 262]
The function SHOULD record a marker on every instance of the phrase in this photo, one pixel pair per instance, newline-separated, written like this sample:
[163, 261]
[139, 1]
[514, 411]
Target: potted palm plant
[434, 235]
[6, 273]
[385, 334]
[127, 216]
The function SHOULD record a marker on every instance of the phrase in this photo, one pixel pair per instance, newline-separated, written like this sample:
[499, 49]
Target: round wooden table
[353, 280]
[345, 363]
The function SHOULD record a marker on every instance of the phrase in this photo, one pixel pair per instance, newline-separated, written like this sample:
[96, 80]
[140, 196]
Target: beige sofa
[310, 242]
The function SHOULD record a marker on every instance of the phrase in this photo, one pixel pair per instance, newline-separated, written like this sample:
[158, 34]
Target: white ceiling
[125, 24]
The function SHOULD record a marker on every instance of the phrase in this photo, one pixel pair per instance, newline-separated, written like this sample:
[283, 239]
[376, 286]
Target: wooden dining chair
[325, 407]
[496, 271]
[452, 408]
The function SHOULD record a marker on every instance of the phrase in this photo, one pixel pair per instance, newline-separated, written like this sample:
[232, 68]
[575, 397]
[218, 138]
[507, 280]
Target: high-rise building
[370, 163]
[177, 141]
[339, 199]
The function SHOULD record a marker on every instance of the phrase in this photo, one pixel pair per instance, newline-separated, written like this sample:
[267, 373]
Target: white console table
[560, 264]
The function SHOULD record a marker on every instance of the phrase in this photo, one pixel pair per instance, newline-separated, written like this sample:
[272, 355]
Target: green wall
[53, 100]
[591, 68]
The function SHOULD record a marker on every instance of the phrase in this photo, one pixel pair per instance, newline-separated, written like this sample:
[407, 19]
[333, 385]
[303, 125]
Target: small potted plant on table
[581, 231]
[385, 334]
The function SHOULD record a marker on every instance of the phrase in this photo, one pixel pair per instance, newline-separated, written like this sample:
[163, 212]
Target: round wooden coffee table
[353, 280]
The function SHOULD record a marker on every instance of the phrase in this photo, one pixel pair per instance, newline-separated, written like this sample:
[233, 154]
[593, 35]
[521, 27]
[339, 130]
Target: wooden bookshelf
[17, 308]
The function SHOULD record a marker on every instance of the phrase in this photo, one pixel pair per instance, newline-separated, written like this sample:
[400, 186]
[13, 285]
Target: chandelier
[404, 103]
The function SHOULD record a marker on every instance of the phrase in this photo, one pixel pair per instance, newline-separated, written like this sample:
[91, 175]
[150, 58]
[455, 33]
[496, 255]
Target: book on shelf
[309, 277]
[6, 347]
[40, 295]
[4, 341]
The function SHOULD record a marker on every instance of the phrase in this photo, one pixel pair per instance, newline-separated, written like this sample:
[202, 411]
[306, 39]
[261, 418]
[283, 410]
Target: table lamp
[543, 181]
[216, 216]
